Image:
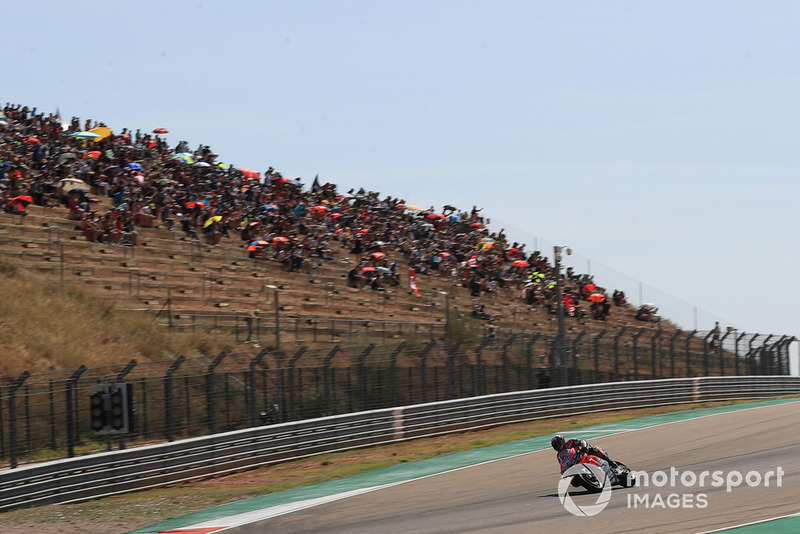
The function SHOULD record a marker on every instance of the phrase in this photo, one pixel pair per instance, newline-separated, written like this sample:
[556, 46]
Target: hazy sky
[656, 139]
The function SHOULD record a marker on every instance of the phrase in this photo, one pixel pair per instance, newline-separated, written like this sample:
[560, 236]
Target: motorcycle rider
[570, 452]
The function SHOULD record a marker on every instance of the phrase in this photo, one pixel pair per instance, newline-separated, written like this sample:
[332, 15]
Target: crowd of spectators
[147, 183]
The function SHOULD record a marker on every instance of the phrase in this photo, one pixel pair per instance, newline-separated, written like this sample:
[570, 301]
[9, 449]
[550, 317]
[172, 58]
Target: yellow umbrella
[215, 218]
[102, 131]
[414, 207]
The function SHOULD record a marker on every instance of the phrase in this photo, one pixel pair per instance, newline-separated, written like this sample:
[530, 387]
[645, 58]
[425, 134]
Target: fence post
[688, 353]
[597, 339]
[211, 402]
[636, 353]
[393, 373]
[326, 371]
[576, 358]
[761, 359]
[736, 350]
[616, 351]
[506, 381]
[529, 358]
[672, 340]
[362, 376]
[12, 415]
[479, 366]
[450, 392]
[292, 388]
[655, 374]
[721, 353]
[423, 363]
[169, 397]
[705, 351]
[251, 394]
[120, 378]
[71, 423]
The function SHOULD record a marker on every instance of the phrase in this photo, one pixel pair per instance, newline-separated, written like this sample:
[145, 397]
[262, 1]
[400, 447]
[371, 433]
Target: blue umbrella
[134, 166]
[85, 135]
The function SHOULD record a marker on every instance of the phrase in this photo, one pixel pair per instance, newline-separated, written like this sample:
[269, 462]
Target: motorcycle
[593, 478]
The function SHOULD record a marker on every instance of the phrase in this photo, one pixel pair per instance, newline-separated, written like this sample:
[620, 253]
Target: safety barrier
[111, 473]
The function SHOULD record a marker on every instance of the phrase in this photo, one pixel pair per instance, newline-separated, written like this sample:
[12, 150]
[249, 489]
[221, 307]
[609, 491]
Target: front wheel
[624, 477]
[590, 483]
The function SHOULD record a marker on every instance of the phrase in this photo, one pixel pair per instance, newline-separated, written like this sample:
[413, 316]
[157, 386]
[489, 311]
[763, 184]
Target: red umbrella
[93, 154]
[20, 203]
[319, 209]
[520, 263]
[335, 215]
[283, 180]
[33, 140]
[477, 225]
[368, 269]
[597, 297]
[378, 255]
[23, 200]
[197, 204]
[363, 231]
[251, 174]
[280, 239]
[435, 216]
[445, 254]
[160, 131]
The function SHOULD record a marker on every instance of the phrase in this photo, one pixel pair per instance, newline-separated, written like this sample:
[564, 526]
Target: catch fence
[49, 415]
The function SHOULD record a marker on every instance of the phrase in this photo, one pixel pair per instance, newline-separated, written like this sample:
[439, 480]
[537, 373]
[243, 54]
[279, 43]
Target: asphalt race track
[519, 495]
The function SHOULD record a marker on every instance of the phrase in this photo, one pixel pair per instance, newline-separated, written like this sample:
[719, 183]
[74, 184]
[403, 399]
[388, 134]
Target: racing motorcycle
[593, 478]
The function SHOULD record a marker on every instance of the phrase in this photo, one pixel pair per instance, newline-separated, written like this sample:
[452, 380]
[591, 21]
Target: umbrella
[93, 154]
[62, 158]
[184, 157]
[134, 166]
[520, 263]
[477, 225]
[102, 131]
[77, 187]
[197, 204]
[259, 243]
[212, 220]
[251, 174]
[368, 269]
[160, 131]
[487, 246]
[435, 216]
[22, 201]
[378, 255]
[33, 140]
[68, 181]
[280, 239]
[384, 270]
[597, 297]
[85, 135]
[445, 254]
[413, 207]
[319, 209]
[202, 164]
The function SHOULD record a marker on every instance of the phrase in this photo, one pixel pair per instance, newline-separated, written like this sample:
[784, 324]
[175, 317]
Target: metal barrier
[105, 474]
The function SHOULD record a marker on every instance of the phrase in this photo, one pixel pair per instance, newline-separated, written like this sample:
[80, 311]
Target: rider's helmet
[557, 442]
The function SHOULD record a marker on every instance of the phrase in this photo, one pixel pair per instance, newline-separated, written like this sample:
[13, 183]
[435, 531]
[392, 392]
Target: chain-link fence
[50, 415]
